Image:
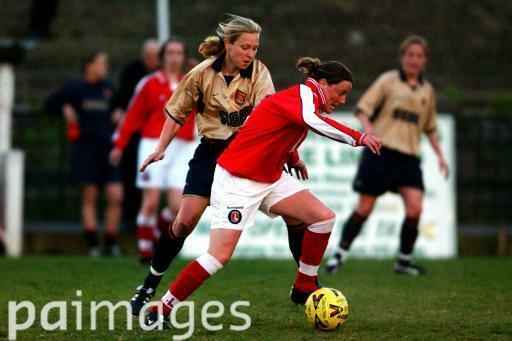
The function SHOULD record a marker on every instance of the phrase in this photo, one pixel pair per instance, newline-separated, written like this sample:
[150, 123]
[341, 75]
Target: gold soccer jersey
[400, 112]
[221, 108]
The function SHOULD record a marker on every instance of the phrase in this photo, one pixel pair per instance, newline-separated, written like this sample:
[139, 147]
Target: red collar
[317, 92]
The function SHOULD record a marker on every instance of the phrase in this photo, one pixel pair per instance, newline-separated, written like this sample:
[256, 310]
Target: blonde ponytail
[213, 46]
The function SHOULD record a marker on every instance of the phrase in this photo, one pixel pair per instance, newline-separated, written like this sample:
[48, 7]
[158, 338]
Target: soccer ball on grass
[326, 309]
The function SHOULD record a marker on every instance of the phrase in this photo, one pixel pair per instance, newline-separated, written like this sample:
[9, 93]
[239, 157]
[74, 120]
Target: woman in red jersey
[146, 114]
[249, 177]
[223, 89]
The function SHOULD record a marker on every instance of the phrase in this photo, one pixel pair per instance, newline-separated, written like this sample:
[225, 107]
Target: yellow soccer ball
[326, 309]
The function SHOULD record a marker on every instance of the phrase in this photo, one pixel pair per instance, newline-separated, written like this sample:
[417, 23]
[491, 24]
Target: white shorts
[235, 201]
[170, 172]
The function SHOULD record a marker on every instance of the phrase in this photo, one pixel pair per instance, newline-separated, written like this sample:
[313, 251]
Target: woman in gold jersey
[398, 107]
[222, 90]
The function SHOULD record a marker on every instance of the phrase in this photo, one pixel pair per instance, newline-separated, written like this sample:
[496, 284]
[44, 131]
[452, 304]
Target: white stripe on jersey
[316, 123]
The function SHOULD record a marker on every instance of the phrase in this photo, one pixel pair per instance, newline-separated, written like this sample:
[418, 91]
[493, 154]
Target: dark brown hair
[171, 40]
[332, 71]
[91, 58]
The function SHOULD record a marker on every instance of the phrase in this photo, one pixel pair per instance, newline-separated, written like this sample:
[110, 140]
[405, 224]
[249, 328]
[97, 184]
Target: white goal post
[11, 169]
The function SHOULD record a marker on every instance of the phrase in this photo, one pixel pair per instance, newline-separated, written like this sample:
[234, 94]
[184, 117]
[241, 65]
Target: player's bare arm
[365, 122]
[170, 129]
[434, 142]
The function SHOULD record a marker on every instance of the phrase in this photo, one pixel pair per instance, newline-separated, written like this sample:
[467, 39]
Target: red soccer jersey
[146, 111]
[276, 128]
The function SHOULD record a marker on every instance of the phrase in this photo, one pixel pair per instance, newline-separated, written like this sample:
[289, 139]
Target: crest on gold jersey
[240, 97]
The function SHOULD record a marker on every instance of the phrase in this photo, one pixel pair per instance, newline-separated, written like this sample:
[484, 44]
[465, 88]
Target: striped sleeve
[326, 126]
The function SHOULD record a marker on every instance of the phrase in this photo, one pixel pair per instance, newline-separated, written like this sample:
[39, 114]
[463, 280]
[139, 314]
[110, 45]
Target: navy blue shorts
[388, 171]
[202, 167]
[90, 164]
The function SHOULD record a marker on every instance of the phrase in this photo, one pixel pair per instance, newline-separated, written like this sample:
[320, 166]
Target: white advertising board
[332, 167]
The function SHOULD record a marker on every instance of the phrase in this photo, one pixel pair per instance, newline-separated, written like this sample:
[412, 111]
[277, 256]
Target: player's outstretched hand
[301, 171]
[115, 156]
[153, 157]
[372, 142]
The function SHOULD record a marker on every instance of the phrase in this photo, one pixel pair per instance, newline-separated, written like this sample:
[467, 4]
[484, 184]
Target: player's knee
[364, 209]
[325, 215]
[184, 225]
[328, 215]
[223, 257]
[115, 198]
[413, 210]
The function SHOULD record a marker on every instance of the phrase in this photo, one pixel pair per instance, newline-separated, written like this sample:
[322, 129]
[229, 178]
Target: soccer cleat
[94, 252]
[113, 251]
[333, 264]
[409, 268]
[141, 297]
[298, 297]
[154, 320]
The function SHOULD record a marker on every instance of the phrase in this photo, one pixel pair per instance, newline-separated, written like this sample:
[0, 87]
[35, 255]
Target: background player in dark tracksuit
[130, 75]
[87, 106]
[398, 107]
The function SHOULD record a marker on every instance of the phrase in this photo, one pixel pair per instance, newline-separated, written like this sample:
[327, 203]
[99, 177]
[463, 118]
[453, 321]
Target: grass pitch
[459, 299]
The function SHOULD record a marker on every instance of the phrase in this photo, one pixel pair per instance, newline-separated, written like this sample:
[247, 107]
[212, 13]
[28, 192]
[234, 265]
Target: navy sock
[408, 235]
[295, 237]
[351, 230]
[167, 248]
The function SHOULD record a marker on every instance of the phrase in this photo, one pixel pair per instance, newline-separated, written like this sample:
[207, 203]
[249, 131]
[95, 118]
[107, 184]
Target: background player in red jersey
[249, 177]
[146, 114]
[399, 106]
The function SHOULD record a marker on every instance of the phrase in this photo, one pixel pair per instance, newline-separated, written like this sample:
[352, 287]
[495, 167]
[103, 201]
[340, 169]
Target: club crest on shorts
[234, 216]
[240, 97]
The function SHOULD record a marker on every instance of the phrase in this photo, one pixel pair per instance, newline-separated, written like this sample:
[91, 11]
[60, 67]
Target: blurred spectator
[146, 114]
[42, 13]
[87, 106]
[136, 69]
[131, 74]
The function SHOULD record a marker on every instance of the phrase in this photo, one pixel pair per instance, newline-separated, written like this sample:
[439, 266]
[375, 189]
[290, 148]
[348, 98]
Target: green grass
[460, 299]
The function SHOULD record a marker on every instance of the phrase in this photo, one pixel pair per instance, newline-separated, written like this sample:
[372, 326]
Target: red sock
[183, 286]
[313, 248]
[145, 241]
[162, 223]
[188, 281]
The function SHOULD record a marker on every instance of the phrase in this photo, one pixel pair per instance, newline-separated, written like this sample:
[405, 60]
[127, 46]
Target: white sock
[403, 257]
[309, 270]
[209, 263]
